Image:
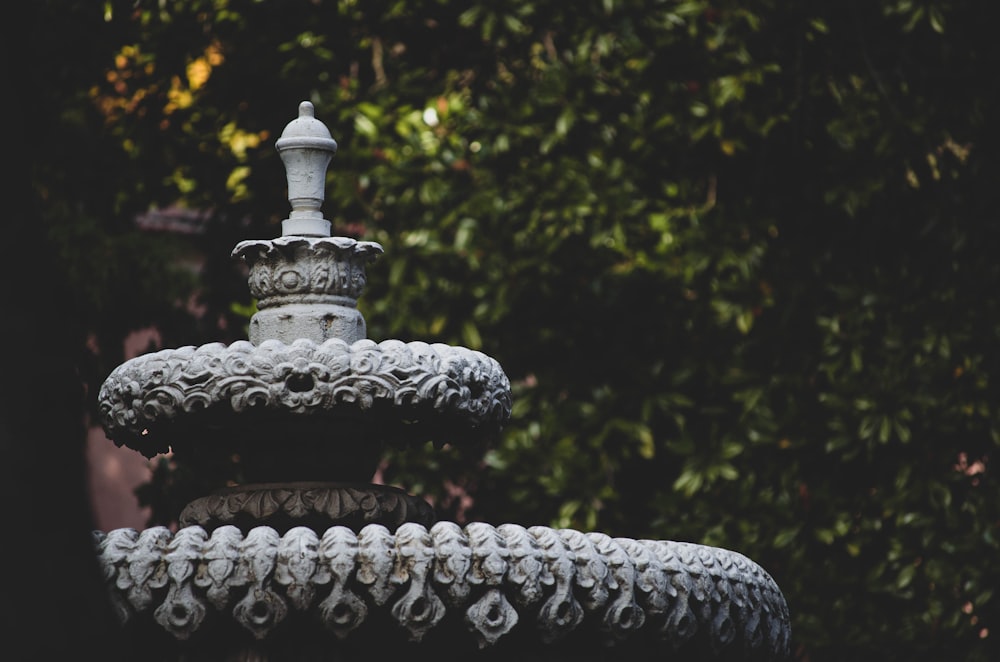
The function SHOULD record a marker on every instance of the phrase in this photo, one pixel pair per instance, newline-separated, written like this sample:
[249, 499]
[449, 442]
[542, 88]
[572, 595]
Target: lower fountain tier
[555, 594]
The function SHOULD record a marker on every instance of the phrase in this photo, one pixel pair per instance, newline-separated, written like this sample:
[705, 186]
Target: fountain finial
[306, 148]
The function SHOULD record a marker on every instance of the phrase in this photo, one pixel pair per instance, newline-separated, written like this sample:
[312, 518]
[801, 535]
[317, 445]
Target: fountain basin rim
[434, 385]
[556, 585]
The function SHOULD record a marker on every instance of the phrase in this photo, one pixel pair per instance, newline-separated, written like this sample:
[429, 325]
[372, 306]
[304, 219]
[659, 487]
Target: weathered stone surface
[536, 584]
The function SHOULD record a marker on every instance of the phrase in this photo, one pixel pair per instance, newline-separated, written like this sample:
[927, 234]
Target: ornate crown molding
[142, 398]
[540, 582]
[291, 269]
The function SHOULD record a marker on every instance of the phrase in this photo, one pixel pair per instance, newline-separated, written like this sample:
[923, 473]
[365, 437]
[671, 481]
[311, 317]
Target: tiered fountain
[303, 559]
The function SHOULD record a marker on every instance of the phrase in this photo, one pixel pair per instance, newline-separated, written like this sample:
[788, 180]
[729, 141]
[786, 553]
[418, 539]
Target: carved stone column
[302, 559]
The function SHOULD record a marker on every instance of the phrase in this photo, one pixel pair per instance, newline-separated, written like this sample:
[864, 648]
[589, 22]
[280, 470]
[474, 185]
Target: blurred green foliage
[739, 260]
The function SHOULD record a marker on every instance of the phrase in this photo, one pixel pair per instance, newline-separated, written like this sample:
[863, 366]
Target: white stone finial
[306, 148]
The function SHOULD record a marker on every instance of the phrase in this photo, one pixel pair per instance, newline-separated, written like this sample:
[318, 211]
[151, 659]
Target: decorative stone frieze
[543, 583]
[285, 505]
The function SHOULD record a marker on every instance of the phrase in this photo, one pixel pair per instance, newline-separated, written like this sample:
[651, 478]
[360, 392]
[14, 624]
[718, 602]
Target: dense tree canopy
[739, 261]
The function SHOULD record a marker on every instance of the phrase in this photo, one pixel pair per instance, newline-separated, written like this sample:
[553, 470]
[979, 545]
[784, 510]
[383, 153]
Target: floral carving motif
[143, 396]
[300, 503]
[490, 577]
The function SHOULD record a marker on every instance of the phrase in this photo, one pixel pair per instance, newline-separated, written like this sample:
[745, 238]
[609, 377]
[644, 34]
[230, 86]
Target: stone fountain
[301, 558]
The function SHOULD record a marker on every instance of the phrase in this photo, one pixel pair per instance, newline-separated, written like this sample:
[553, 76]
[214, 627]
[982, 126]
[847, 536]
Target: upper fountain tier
[309, 369]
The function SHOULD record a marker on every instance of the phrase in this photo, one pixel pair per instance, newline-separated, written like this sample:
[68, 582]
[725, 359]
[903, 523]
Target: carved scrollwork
[495, 581]
[142, 398]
